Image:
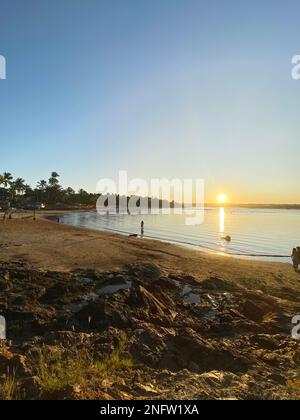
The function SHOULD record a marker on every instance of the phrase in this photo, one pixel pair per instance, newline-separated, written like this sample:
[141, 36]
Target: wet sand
[48, 245]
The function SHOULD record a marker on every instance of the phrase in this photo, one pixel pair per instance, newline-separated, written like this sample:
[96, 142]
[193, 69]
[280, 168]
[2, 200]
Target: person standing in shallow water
[142, 228]
[295, 258]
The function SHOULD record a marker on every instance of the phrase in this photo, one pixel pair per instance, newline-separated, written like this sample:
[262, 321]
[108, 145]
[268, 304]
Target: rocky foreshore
[144, 333]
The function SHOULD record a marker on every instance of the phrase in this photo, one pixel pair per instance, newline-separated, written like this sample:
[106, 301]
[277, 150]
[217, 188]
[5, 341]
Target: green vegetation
[61, 367]
[9, 387]
[16, 193]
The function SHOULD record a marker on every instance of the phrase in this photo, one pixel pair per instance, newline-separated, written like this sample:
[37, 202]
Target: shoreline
[48, 215]
[75, 246]
[190, 325]
[186, 245]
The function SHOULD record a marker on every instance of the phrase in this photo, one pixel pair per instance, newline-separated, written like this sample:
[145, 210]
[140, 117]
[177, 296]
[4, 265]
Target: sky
[160, 88]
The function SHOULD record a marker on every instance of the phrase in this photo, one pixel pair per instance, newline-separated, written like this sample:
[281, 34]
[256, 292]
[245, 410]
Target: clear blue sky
[173, 88]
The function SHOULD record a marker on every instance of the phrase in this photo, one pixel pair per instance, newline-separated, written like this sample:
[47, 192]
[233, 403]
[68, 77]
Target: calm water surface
[256, 233]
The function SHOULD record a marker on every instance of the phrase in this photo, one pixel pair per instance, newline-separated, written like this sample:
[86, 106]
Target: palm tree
[28, 190]
[41, 186]
[53, 180]
[69, 191]
[7, 179]
[54, 188]
[1, 181]
[20, 185]
[82, 192]
[12, 190]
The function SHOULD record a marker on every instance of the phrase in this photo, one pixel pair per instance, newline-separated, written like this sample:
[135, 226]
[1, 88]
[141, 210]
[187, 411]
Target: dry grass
[9, 387]
[295, 386]
[61, 368]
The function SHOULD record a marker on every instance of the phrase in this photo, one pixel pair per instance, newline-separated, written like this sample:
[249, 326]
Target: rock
[147, 273]
[233, 344]
[149, 343]
[217, 378]
[4, 284]
[218, 284]
[4, 277]
[257, 310]
[266, 341]
[13, 363]
[17, 364]
[193, 367]
[5, 357]
[106, 311]
[109, 340]
[150, 308]
[31, 386]
[84, 280]
[277, 378]
[167, 284]
[68, 392]
[145, 390]
[64, 292]
[207, 354]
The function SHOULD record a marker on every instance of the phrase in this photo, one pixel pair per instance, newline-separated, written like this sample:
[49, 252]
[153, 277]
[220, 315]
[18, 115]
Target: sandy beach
[51, 246]
[162, 321]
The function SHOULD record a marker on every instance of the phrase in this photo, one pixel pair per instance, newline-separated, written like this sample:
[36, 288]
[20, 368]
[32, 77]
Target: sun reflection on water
[222, 220]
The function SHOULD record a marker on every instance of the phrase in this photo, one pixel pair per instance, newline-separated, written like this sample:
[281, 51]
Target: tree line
[49, 193]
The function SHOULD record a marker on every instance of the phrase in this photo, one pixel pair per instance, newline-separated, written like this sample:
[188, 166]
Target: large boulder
[195, 353]
[255, 306]
[106, 311]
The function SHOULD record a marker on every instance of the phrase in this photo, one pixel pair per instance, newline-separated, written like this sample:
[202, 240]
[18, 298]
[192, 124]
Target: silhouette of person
[142, 227]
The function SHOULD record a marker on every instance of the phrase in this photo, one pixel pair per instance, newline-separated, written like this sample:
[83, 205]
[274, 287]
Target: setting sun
[222, 198]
